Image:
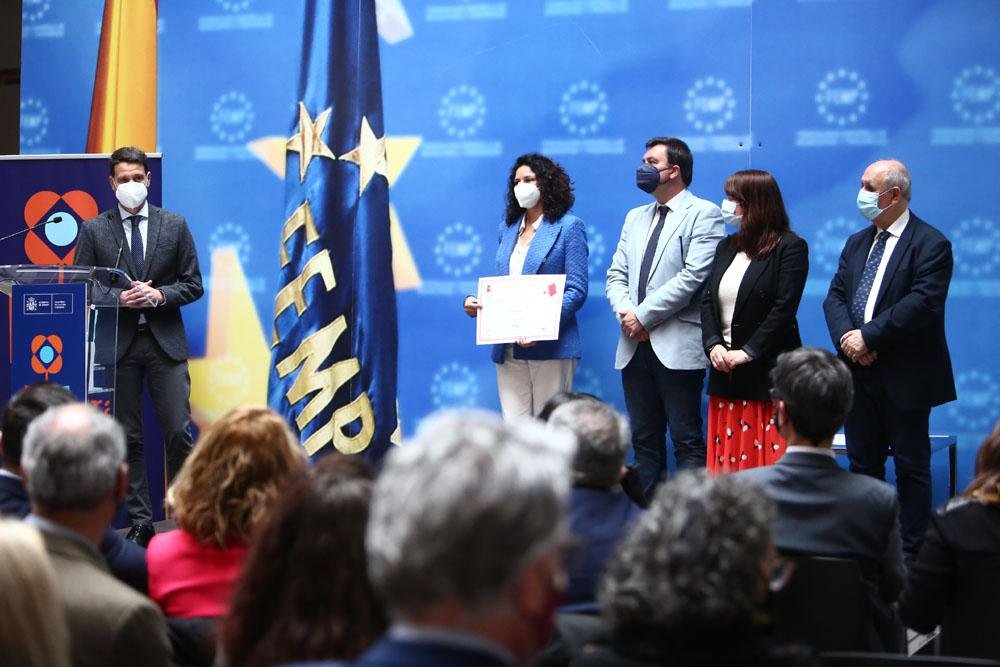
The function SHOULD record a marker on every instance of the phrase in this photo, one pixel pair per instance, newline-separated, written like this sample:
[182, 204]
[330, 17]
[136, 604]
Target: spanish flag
[123, 111]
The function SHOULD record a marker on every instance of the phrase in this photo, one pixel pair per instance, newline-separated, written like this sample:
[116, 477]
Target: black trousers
[874, 426]
[170, 386]
[661, 399]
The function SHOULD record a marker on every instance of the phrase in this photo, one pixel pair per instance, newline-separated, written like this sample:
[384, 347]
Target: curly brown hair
[228, 481]
[304, 593]
[553, 183]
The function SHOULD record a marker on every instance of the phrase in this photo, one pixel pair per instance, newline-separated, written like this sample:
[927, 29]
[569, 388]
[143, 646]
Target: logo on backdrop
[581, 7]
[583, 111]
[978, 402]
[463, 10]
[34, 10]
[231, 235]
[842, 100]
[454, 385]
[236, 17]
[462, 114]
[975, 100]
[458, 250]
[46, 355]
[829, 242]
[231, 119]
[710, 107]
[32, 14]
[34, 122]
[976, 243]
[60, 216]
[597, 265]
[586, 381]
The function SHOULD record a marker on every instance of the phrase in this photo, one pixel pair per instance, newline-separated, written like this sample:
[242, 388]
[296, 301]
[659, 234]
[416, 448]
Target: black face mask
[647, 177]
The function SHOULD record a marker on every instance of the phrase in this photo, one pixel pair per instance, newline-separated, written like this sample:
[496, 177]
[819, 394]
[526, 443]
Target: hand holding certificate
[519, 307]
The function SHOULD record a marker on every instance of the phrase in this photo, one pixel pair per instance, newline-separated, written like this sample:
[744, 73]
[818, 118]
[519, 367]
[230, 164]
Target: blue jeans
[659, 400]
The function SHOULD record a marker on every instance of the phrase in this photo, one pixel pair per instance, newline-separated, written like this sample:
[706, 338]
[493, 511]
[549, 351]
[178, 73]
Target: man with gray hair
[885, 314]
[465, 541]
[824, 510]
[599, 511]
[74, 463]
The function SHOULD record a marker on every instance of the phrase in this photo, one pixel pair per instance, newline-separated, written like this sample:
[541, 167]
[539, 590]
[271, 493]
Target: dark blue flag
[333, 371]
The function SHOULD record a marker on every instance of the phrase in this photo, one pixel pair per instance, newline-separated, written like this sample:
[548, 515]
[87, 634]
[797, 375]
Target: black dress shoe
[141, 534]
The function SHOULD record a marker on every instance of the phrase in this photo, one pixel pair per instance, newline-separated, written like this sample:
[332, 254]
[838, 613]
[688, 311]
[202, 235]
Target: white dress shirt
[729, 287]
[672, 205]
[895, 231]
[517, 257]
[809, 449]
[143, 227]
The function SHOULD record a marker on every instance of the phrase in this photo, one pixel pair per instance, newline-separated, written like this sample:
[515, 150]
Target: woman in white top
[539, 236]
[748, 319]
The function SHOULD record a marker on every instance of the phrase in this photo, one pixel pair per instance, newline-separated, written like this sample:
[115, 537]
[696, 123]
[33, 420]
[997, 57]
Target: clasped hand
[724, 360]
[140, 295]
[632, 327]
[853, 345]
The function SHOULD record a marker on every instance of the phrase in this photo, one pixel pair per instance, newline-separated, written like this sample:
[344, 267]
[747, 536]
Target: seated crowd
[480, 542]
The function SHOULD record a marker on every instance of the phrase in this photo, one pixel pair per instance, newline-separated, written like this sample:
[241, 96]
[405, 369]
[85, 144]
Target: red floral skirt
[741, 435]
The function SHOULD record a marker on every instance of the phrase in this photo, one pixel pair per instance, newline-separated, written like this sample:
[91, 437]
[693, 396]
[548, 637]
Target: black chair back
[890, 660]
[192, 641]
[824, 605]
[971, 625]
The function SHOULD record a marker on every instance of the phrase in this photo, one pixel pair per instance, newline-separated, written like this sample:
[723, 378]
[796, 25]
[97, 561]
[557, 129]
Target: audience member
[689, 583]
[599, 512]
[33, 630]
[220, 495]
[465, 541]
[74, 464]
[127, 560]
[304, 593]
[824, 510]
[961, 548]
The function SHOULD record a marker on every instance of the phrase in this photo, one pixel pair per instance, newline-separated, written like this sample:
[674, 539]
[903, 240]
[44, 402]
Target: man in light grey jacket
[654, 286]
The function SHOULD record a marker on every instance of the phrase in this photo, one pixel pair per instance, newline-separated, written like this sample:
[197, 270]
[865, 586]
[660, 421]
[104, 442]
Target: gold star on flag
[369, 155]
[308, 139]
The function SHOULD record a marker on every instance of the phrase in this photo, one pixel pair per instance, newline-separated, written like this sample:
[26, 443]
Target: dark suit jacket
[126, 560]
[764, 323]
[171, 263]
[109, 623]
[824, 510]
[907, 329]
[391, 652]
[598, 518]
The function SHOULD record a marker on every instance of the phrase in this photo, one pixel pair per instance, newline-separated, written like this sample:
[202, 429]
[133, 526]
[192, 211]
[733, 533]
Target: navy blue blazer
[392, 652]
[559, 246]
[599, 518]
[126, 560]
[907, 328]
[824, 510]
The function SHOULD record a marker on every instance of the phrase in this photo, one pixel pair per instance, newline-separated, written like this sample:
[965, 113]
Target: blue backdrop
[811, 90]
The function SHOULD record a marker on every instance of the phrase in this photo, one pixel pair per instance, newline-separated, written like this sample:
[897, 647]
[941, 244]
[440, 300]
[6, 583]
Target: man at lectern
[155, 247]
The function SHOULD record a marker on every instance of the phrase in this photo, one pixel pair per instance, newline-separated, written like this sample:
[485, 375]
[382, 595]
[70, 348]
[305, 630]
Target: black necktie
[860, 301]
[647, 257]
[136, 243]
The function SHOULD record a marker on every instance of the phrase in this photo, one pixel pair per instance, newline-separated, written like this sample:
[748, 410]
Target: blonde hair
[233, 473]
[33, 630]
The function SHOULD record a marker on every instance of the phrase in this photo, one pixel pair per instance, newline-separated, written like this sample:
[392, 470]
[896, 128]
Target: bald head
[885, 174]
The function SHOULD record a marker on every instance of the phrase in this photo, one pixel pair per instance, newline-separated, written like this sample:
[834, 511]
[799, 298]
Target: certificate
[519, 307]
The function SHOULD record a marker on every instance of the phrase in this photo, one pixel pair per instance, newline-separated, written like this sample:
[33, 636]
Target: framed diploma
[516, 307]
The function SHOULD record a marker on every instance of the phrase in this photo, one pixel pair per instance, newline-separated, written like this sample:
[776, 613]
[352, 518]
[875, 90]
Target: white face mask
[728, 207]
[527, 194]
[131, 194]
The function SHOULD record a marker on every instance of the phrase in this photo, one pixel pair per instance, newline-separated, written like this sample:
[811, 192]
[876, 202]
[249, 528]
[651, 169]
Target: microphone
[57, 218]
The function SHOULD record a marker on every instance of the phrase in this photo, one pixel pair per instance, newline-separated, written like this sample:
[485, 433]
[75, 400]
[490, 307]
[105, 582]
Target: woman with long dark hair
[748, 319]
[539, 235]
[304, 593]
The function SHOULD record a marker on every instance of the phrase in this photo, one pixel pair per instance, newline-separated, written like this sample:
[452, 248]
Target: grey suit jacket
[109, 623]
[684, 253]
[171, 263]
[824, 510]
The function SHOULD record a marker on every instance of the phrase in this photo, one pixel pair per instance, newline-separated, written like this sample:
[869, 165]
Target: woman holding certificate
[748, 319]
[539, 236]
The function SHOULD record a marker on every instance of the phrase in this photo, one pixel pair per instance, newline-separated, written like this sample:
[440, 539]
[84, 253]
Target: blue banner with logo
[811, 90]
[334, 344]
[49, 336]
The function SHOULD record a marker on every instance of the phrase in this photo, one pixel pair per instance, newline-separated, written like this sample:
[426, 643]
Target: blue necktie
[647, 257]
[867, 279]
[136, 243]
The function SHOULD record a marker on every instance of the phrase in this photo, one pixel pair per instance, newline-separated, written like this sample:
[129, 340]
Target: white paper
[516, 307]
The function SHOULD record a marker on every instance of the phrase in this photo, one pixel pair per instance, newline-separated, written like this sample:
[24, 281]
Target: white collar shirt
[895, 231]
